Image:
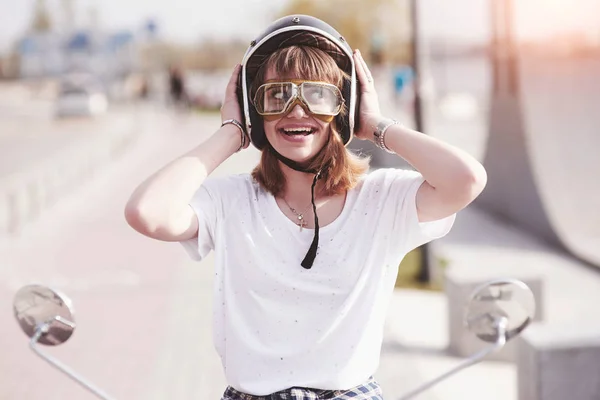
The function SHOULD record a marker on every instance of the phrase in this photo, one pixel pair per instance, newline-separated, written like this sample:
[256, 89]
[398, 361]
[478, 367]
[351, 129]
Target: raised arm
[158, 207]
[453, 178]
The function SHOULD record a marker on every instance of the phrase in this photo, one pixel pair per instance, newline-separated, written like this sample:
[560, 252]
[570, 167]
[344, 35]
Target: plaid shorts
[369, 390]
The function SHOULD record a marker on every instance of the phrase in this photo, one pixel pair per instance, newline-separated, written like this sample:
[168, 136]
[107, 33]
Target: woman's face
[297, 135]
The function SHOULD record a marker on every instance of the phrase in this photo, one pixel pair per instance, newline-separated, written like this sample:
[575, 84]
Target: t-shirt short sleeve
[400, 206]
[214, 199]
[205, 206]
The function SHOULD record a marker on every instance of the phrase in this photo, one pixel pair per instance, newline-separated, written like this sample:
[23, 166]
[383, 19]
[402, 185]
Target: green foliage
[41, 18]
[362, 22]
[409, 270]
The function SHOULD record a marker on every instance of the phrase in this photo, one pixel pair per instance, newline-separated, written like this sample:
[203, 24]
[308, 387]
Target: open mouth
[305, 131]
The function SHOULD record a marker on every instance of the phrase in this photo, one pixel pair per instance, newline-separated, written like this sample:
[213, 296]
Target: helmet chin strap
[311, 254]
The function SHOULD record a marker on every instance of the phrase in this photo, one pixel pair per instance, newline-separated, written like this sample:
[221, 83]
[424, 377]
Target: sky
[190, 20]
[181, 20]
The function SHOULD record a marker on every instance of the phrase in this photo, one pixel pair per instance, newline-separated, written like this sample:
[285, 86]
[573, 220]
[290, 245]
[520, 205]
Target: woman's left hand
[370, 114]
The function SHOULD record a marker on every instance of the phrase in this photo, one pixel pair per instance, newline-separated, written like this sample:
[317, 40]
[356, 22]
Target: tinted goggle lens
[276, 98]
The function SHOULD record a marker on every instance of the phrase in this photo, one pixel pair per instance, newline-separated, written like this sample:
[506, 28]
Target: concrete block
[19, 201]
[459, 283]
[36, 195]
[5, 212]
[559, 362]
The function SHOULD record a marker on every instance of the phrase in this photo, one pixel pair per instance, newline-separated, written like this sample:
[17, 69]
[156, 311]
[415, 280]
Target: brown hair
[344, 167]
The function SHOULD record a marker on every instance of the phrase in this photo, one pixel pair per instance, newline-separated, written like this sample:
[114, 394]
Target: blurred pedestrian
[177, 87]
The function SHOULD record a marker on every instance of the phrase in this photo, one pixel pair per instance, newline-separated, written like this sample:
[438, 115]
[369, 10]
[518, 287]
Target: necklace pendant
[301, 222]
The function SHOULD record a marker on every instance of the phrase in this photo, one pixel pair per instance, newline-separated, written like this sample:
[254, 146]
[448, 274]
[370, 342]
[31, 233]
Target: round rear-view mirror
[506, 302]
[39, 307]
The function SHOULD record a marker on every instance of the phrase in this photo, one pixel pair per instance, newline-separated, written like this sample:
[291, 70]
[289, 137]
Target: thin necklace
[299, 216]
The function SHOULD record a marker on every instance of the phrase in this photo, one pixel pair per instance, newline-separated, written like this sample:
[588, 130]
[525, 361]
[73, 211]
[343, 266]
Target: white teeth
[298, 131]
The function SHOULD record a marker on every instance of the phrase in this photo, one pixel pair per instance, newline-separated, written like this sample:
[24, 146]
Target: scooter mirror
[506, 302]
[37, 307]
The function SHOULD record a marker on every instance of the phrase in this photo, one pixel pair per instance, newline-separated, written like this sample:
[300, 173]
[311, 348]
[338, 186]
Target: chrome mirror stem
[33, 344]
[501, 324]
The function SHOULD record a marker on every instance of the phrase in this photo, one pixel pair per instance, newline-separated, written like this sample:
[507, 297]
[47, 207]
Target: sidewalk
[41, 159]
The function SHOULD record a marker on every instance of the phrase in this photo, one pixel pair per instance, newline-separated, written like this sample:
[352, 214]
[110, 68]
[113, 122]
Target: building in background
[57, 44]
[106, 55]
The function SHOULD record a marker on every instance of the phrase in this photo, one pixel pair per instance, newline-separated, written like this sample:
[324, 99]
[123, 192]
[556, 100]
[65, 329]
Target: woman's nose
[297, 111]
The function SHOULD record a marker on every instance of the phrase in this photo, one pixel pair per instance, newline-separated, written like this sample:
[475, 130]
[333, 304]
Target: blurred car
[80, 102]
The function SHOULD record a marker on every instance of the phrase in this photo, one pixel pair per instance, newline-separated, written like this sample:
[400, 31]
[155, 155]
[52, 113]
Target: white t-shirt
[277, 324]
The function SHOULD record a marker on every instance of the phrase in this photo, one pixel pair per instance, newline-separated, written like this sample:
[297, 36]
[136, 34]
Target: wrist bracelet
[242, 131]
[379, 134]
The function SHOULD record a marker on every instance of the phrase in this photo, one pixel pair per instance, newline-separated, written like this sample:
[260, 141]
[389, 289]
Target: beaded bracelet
[379, 134]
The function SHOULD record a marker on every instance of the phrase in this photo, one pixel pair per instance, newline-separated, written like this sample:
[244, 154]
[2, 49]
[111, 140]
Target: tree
[41, 18]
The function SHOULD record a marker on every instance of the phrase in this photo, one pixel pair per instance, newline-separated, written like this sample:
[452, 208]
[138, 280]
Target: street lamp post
[423, 275]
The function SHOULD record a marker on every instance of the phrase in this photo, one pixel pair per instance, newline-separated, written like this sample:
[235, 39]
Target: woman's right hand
[231, 108]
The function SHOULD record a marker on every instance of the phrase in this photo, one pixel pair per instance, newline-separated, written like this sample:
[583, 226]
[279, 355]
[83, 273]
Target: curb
[25, 195]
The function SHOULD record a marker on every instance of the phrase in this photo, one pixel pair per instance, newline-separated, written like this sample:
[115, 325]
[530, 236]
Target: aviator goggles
[273, 99]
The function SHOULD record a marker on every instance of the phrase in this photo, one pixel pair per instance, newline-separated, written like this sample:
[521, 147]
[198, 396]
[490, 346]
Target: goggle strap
[311, 254]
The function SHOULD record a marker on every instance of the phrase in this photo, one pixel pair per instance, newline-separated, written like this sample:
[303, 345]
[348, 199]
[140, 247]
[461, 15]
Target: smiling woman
[307, 245]
[309, 104]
